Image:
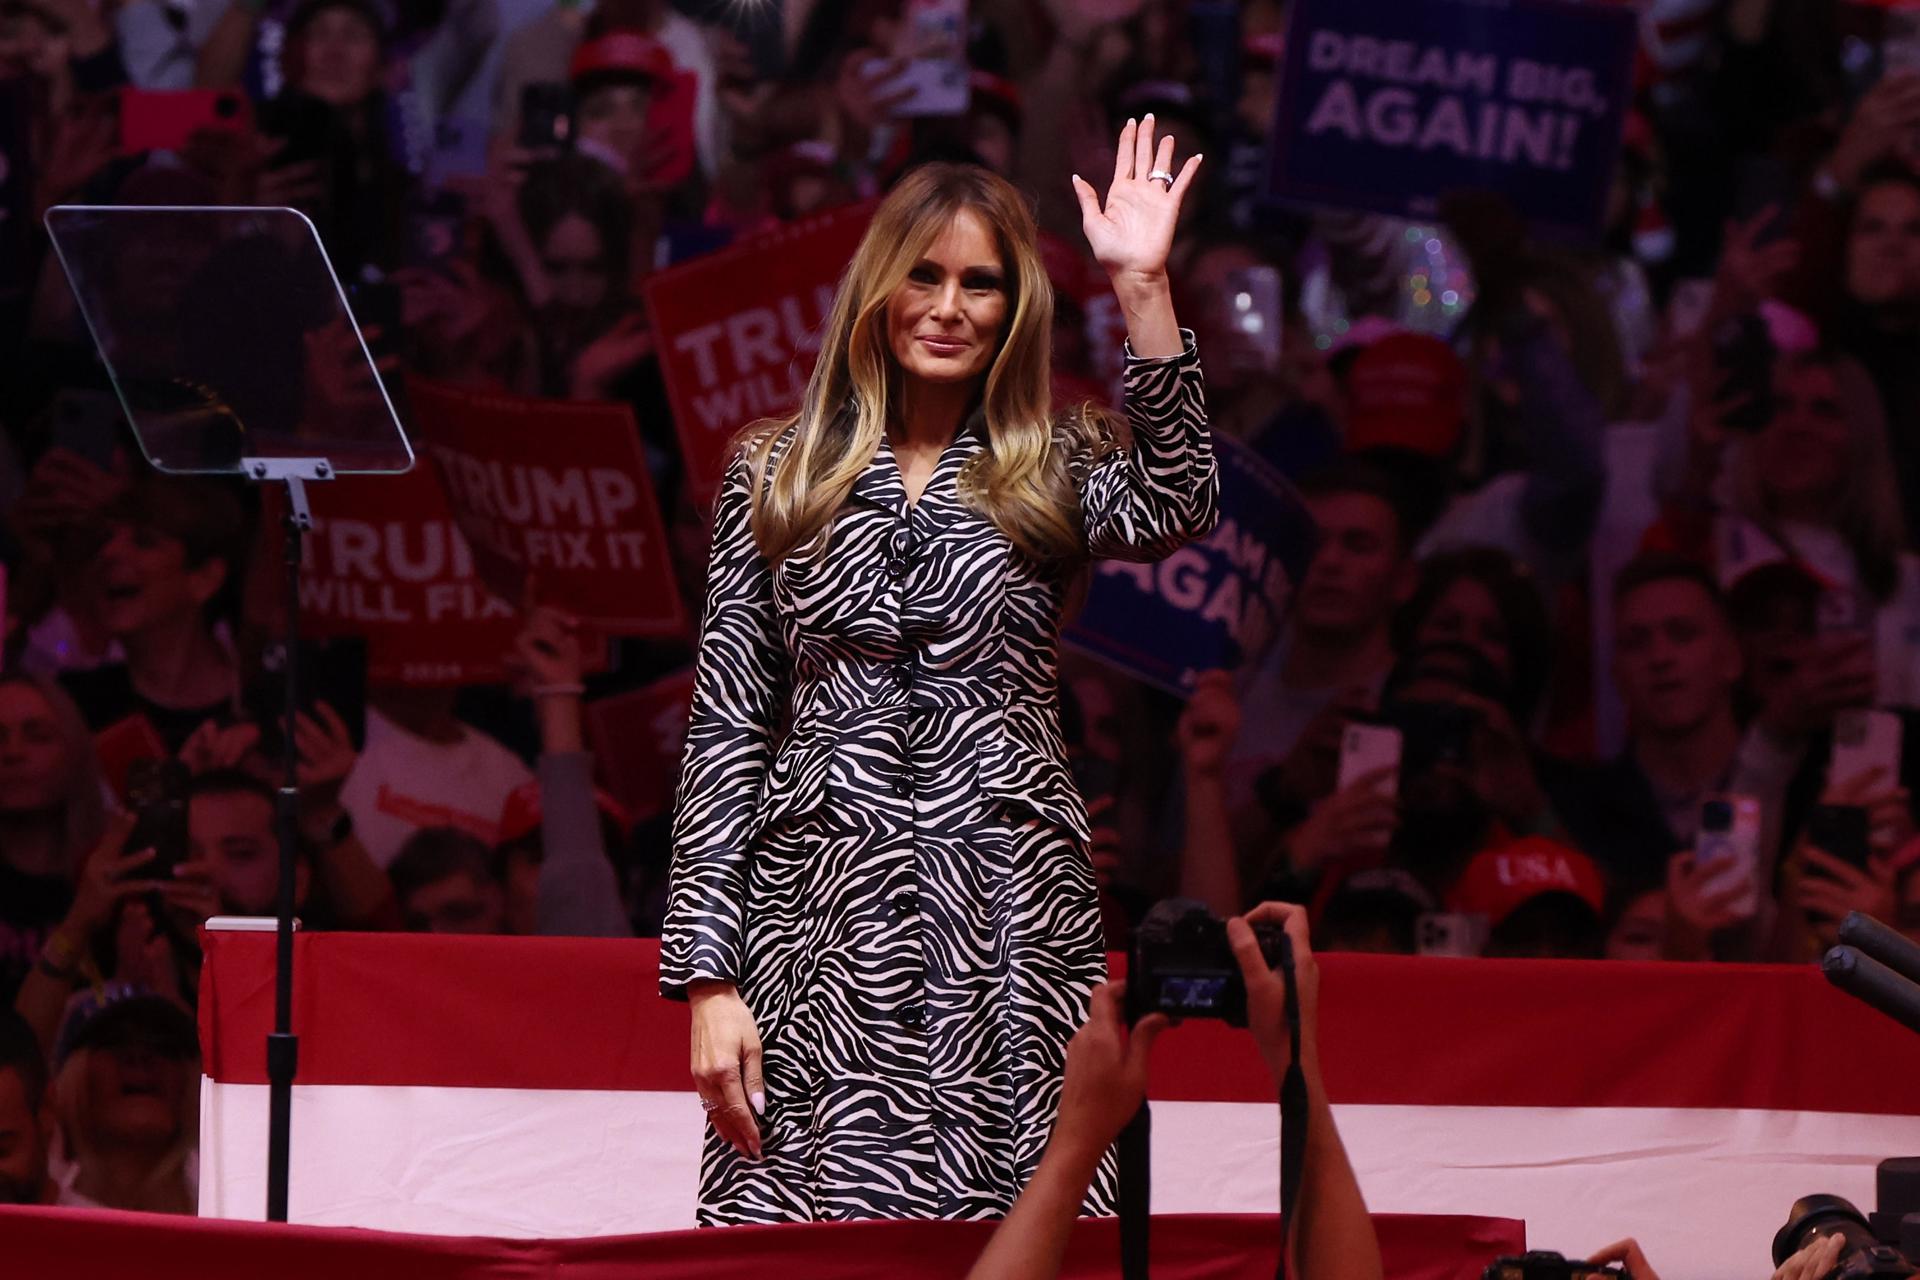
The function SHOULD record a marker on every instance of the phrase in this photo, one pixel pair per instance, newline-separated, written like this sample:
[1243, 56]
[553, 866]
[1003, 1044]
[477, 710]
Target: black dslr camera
[1541, 1265]
[1885, 1243]
[1183, 966]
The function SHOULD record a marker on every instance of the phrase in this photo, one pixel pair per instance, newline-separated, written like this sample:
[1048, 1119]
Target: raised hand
[1132, 234]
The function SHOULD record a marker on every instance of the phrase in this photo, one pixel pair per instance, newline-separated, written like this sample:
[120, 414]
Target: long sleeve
[1564, 427]
[740, 692]
[1143, 502]
[579, 894]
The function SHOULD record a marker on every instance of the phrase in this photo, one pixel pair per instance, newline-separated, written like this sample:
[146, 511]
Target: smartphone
[166, 119]
[1863, 741]
[157, 795]
[546, 116]
[331, 671]
[1842, 830]
[1450, 933]
[932, 43]
[306, 127]
[435, 232]
[1366, 748]
[1743, 356]
[1728, 845]
[1433, 734]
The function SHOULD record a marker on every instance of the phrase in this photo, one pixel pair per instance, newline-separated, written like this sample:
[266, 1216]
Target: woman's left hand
[1132, 236]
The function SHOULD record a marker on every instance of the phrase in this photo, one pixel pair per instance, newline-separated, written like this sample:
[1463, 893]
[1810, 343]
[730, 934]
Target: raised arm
[740, 692]
[1143, 501]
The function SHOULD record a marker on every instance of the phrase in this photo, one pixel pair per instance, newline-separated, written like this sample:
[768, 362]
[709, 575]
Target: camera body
[1183, 966]
[1539, 1264]
[1883, 1244]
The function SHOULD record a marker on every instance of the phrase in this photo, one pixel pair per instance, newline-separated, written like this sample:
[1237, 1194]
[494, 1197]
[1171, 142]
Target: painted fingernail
[759, 1103]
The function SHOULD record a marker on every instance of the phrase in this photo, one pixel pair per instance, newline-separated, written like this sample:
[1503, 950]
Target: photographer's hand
[1816, 1260]
[1267, 989]
[1330, 1236]
[1628, 1254]
[1106, 1080]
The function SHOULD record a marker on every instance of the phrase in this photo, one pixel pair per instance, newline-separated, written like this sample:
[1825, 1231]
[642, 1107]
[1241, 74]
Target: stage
[537, 1089]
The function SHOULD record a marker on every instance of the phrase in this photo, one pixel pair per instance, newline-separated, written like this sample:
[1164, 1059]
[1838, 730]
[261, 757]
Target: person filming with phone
[1330, 1234]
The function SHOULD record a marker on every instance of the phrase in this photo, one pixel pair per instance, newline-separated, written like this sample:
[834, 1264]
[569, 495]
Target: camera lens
[1813, 1217]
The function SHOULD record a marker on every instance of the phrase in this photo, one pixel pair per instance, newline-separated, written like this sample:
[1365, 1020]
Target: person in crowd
[26, 1121]
[126, 1093]
[542, 52]
[444, 880]
[576, 228]
[1330, 1235]
[1539, 898]
[422, 767]
[1529, 475]
[1483, 598]
[1333, 656]
[170, 549]
[558, 834]
[1678, 664]
[51, 814]
[329, 125]
[1814, 484]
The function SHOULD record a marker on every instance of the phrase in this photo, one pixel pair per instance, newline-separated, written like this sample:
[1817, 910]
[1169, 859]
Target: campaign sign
[1214, 603]
[738, 331]
[637, 738]
[1391, 104]
[386, 561]
[556, 491]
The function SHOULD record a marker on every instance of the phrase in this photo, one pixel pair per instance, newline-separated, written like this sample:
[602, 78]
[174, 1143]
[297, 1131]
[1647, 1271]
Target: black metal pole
[283, 1047]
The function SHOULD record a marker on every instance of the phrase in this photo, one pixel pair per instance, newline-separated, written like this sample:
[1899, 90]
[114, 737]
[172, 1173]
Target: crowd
[1616, 539]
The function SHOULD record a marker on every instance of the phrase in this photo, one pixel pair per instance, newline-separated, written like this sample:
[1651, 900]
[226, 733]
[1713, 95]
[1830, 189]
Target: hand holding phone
[157, 796]
[1866, 747]
[1726, 854]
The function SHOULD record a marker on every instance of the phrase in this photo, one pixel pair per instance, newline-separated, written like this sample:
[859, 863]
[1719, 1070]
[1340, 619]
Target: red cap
[1500, 880]
[521, 817]
[621, 52]
[1409, 391]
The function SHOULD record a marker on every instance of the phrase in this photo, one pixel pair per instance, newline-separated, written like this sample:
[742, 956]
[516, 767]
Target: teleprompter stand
[233, 351]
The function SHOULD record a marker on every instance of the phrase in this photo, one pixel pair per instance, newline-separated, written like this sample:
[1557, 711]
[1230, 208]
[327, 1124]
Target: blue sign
[1214, 603]
[1390, 104]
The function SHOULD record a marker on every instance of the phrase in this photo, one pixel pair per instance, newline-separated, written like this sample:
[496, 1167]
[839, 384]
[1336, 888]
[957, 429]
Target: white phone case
[1733, 855]
[1862, 742]
[1365, 748]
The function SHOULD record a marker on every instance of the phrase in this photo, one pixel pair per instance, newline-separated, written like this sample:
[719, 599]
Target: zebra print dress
[899, 884]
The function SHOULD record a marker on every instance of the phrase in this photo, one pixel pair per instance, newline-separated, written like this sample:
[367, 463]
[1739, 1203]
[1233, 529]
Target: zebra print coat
[899, 885]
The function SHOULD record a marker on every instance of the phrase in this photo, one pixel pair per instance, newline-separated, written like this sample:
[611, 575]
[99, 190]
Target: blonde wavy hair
[169, 1184]
[1021, 482]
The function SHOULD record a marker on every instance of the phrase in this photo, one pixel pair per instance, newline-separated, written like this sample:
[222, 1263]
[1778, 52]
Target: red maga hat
[621, 52]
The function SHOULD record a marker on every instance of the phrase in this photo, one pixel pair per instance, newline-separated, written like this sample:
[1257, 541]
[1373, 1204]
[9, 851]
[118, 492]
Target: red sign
[637, 739]
[386, 561]
[739, 331]
[557, 491]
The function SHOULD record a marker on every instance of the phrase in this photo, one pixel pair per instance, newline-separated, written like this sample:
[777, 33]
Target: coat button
[897, 567]
[906, 904]
[902, 788]
[913, 1015]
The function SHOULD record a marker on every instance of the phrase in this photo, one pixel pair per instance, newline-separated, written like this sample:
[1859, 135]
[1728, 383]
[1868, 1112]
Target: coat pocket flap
[1019, 772]
[796, 782]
